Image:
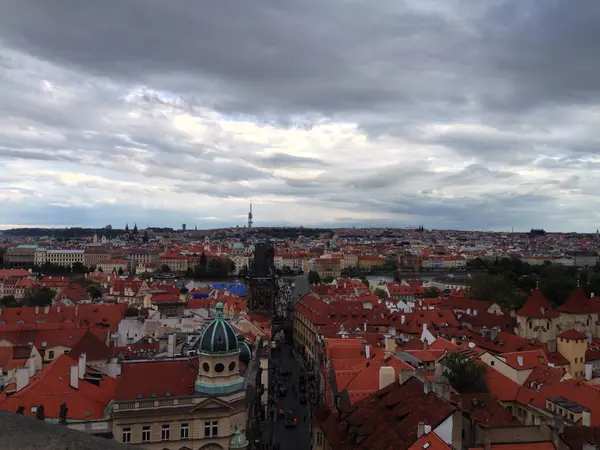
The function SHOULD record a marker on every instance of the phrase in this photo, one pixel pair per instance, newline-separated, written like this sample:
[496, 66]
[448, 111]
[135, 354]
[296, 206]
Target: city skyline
[456, 115]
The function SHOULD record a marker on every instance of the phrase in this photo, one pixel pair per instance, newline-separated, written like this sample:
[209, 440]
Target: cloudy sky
[456, 114]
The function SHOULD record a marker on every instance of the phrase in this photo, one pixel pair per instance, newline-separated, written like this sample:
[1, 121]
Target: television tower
[250, 216]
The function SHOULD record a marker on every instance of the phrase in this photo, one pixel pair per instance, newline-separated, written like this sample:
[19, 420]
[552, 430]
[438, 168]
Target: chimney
[402, 319]
[487, 441]
[427, 387]
[442, 389]
[82, 364]
[37, 310]
[113, 368]
[494, 334]
[171, 346]
[589, 371]
[31, 367]
[368, 351]
[551, 346]
[46, 309]
[387, 375]
[420, 374]
[406, 375]
[586, 419]
[74, 378]
[58, 309]
[420, 430]
[520, 361]
[390, 345]
[439, 369]
[22, 378]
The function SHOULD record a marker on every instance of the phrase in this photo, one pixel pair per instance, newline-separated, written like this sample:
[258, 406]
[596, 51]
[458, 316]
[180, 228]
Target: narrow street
[275, 431]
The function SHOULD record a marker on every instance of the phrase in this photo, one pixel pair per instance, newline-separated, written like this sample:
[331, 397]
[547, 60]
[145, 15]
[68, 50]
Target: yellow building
[572, 345]
[58, 257]
[309, 316]
[328, 267]
[367, 262]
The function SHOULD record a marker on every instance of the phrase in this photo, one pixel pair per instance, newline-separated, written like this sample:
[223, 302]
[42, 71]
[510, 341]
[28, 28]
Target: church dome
[245, 350]
[238, 246]
[238, 440]
[219, 336]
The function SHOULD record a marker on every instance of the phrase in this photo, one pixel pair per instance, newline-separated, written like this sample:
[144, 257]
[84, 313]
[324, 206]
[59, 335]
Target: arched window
[530, 324]
[589, 320]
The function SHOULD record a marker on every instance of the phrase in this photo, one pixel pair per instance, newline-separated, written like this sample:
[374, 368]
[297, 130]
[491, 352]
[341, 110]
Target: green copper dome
[238, 246]
[238, 441]
[219, 336]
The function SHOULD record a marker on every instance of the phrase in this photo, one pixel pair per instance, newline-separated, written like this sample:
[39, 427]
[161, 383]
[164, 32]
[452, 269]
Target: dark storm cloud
[524, 71]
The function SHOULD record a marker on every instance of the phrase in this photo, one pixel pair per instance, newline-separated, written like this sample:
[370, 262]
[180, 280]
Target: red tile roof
[525, 360]
[49, 338]
[147, 378]
[94, 348]
[537, 306]
[578, 303]
[388, 419]
[362, 379]
[110, 314]
[572, 335]
[574, 390]
[51, 387]
[11, 359]
[485, 410]
[430, 441]
[542, 374]
[7, 273]
[500, 386]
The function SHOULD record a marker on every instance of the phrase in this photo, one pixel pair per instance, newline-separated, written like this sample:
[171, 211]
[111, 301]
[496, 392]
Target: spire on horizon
[250, 221]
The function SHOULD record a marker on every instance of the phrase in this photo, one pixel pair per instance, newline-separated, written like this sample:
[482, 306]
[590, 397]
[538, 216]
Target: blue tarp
[235, 288]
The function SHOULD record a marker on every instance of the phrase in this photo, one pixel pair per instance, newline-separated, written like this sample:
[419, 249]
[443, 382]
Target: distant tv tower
[250, 216]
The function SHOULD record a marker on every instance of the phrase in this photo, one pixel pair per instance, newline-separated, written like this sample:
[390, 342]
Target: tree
[557, 283]
[464, 374]
[78, 267]
[165, 269]
[327, 280]
[431, 293]
[120, 271]
[8, 301]
[39, 296]
[493, 288]
[379, 292]
[94, 291]
[314, 277]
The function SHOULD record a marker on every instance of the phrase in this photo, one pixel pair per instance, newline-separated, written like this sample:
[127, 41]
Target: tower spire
[250, 216]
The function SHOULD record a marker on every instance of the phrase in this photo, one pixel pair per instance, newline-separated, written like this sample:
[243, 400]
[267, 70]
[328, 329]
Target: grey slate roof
[27, 433]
